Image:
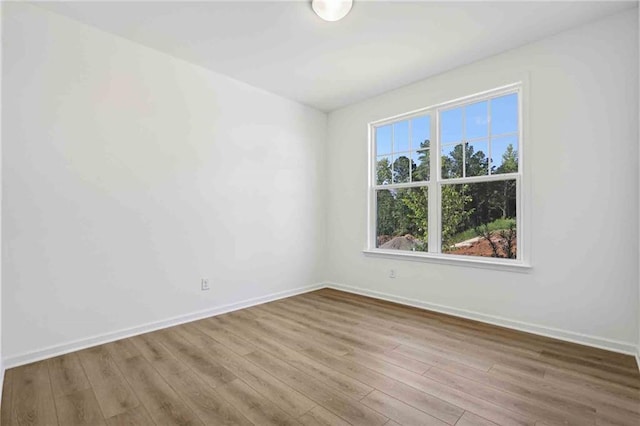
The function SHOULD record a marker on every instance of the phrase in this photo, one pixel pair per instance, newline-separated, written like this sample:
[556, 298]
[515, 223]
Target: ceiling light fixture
[331, 10]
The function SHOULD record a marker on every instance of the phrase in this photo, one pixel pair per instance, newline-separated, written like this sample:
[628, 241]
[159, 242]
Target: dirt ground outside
[474, 247]
[482, 248]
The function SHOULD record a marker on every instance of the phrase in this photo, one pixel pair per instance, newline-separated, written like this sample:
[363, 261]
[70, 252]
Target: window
[446, 181]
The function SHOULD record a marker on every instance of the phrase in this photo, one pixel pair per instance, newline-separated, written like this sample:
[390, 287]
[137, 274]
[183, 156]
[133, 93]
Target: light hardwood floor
[328, 358]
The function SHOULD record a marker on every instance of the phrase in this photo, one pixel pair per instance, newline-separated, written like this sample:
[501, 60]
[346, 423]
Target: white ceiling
[283, 47]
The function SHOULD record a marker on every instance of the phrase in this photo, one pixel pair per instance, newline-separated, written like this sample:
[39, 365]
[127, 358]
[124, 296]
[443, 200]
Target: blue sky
[464, 122]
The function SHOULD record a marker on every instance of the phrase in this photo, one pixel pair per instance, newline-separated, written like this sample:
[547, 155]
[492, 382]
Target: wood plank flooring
[328, 358]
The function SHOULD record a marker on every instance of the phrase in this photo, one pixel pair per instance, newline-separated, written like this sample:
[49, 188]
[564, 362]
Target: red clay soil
[482, 248]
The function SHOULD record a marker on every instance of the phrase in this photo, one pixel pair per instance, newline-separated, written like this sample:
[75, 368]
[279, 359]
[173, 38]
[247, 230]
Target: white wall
[1, 362]
[128, 175]
[583, 153]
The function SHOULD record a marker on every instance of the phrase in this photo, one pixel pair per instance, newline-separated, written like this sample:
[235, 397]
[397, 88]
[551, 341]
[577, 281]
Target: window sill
[450, 259]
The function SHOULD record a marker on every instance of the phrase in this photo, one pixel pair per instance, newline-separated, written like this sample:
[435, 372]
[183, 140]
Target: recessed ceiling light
[331, 10]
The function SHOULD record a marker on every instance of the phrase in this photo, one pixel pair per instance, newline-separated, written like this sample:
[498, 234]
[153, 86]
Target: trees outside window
[462, 201]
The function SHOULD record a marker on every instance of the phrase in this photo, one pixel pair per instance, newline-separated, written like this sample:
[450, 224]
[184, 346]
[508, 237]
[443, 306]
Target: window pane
[401, 166]
[476, 161]
[383, 170]
[420, 132]
[401, 136]
[476, 120]
[421, 168]
[504, 114]
[383, 140]
[504, 155]
[452, 161]
[451, 125]
[401, 219]
[479, 219]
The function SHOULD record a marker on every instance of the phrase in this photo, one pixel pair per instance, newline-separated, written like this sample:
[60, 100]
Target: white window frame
[435, 182]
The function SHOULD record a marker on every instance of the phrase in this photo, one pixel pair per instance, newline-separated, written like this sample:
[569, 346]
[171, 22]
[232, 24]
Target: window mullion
[410, 148]
[402, 185]
[489, 140]
[393, 155]
[434, 187]
[464, 143]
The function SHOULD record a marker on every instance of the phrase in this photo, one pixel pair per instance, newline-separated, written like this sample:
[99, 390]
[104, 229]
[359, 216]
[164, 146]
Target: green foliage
[465, 207]
[385, 221]
[496, 225]
[401, 168]
[403, 211]
[504, 246]
[394, 217]
[416, 200]
[383, 172]
[423, 169]
[452, 163]
[455, 215]
[509, 161]
[509, 241]
[476, 162]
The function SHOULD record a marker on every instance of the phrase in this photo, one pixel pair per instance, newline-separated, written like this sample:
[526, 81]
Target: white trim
[433, 216]
[565, 335]
[498, 264]
[452, 103]
[76, 345]
[403, 185]
[638, 357]
[555, 333]
[522, 261]
[2, 369]
[480, 179]
[372, 202]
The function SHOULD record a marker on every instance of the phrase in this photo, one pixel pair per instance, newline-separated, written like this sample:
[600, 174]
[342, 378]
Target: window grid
[439, 181]
[466, 142]
[394, 155]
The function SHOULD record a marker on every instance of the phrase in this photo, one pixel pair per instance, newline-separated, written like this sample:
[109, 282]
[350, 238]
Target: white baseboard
[51, 351]
[1, 382]
[76, 345]
[570, 336]
[638, 357]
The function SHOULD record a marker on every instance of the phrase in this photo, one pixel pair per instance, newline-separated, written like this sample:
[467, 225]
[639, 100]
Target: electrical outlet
[392, 273]
[204, 284]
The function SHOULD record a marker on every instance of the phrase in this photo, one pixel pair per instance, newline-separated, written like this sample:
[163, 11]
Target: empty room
[327, 212]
